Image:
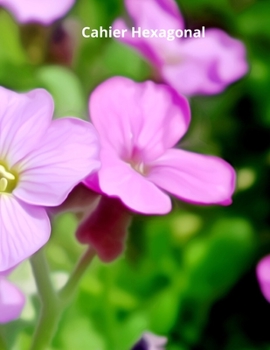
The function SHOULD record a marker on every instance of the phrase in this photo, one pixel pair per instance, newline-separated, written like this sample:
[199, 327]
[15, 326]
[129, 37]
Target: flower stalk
[3, 345]
[68, 290]
[53, 303]
[50, 304]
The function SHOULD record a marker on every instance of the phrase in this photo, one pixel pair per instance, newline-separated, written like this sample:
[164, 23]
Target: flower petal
[44, 12]
[194, 177]
[150, 341]
[119, 179]
[106, 228]
[11, 301]
[263, 275]
[207, 64]
[6, 272]
[142, 46]
[189, 78]
[66, 155]
[155, 14]
[24, 119]
[138, 117]
[24, 229]
[154, 341]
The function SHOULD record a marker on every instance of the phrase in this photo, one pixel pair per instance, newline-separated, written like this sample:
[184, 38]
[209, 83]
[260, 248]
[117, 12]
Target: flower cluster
[139, 124]
[130, 155]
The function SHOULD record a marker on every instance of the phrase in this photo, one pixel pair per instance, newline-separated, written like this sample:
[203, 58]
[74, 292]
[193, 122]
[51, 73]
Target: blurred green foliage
[189, 275]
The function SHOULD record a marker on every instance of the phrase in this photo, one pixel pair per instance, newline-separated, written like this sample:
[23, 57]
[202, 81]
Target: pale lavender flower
[41, 11]
[150, 341]
[139, 124]
[190, 65]
[12, 300]
[263, 276]
[40, 162]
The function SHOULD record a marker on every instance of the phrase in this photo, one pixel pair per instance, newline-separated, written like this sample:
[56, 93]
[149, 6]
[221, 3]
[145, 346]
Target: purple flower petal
[194, 177]
[140, 45]
[23, 117]
[162, 14]
[44, 12]
[117, 178]
[11, 301]
[66, 155]
[207, 65]
[145, 116]
[151, 14]
[24, 229]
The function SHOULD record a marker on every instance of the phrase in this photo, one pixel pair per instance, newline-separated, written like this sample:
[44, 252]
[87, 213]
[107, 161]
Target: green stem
[68, 290]
[52, 303]
[3, 345]
[50, 306]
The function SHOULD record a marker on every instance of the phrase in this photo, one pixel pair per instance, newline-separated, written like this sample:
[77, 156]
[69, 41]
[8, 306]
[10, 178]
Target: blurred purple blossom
[263, 275]
[44, 12]
[190, 65]
[138, 124]
[150, 341]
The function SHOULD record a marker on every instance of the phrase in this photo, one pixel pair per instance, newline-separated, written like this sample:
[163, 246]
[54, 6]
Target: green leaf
[66, 89]
[215, 262]
[11, 49]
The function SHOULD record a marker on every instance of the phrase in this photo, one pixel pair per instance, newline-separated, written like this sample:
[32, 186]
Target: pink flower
[150, 341]
[40, 162]
[190, 65]
[138, 124]
[263, 276]
[44, 12]
[11, 300]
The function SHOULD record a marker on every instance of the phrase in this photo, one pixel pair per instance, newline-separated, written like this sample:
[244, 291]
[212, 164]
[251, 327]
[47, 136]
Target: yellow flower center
[140, 167]
[8, 179]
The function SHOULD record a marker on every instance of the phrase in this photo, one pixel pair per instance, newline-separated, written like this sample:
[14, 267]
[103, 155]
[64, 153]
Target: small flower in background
[40, 162]
[44, 12]
[64, 42]
[12, 300]
[150, 341]
[263, 276]
[138, 124]
[190, 65]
